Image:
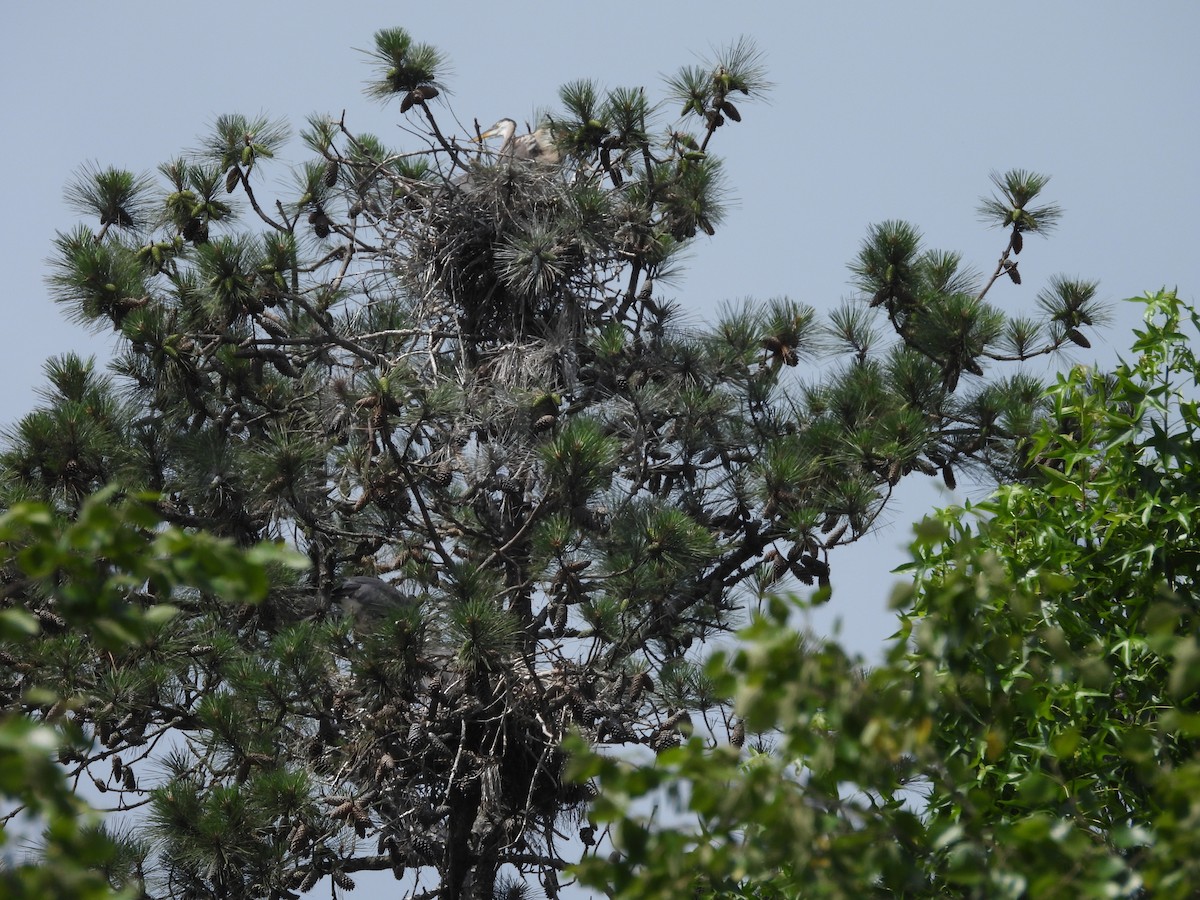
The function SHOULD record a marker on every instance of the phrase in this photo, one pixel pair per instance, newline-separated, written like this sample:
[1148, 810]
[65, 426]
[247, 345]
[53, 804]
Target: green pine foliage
[460, 370]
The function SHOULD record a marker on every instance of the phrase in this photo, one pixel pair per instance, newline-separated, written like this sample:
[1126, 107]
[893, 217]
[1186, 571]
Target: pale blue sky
[881, 110]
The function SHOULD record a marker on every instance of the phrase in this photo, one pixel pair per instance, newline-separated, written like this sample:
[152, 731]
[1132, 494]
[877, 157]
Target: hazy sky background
[880, 110]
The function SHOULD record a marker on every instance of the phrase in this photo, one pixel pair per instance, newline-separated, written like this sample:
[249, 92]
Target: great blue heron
[367, 598]
[537, 145]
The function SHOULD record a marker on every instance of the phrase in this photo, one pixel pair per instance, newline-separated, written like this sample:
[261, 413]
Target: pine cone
[310, 880]
[195, 230]
[818, 567]
[425, 848]
[511, 486]
[836, 534]
[320, 222]
[677, 718]
[664, 740]
[638, 685]
[298, 839]
[779, 567]
[416, 737]
[395, 858]
[385, 765]
[50, 621]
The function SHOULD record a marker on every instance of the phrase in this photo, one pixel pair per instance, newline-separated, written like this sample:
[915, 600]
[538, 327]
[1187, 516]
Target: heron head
[505, 127]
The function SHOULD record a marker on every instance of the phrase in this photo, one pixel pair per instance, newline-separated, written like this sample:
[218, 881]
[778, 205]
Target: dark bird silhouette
[365, 597]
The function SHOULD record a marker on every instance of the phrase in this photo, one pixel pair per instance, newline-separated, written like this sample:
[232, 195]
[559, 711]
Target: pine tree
[452, 373]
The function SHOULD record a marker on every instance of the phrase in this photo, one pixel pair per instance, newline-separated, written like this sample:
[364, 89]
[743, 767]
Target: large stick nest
[509, 248]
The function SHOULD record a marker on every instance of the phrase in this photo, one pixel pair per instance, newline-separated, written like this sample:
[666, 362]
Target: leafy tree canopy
[1033, 731]
[96, 568]
[449, 374]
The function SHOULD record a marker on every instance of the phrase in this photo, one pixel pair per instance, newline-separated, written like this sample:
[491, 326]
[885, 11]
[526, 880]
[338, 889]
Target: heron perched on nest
[537, 145]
